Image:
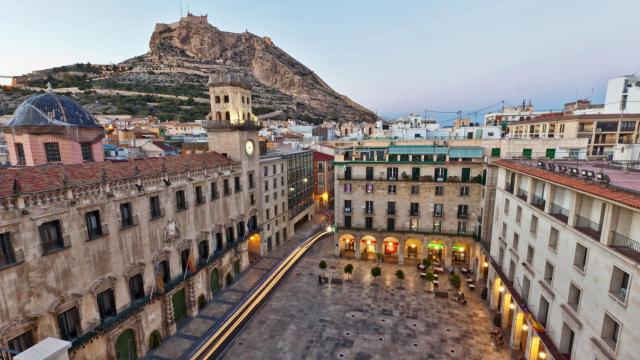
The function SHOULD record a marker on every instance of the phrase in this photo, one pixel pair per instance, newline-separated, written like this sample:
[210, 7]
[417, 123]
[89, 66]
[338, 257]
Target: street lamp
[542, 355]
[330, 228]
[525, 327]
[501, 288]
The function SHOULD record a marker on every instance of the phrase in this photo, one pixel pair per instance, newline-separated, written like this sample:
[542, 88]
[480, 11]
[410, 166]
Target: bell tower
[232, 129]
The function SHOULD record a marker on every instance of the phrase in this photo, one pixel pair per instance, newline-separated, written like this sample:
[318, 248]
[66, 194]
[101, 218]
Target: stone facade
[408, 202]
[71, 266]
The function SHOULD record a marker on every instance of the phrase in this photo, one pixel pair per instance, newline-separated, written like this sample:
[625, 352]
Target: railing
[538, 202]
[626, 246]
[428, 178]
[463, 216]
[391, 211]
[559, 213]
[522, 194]
[7, 354]
[414, 213]
[509, 187]
[588, 227]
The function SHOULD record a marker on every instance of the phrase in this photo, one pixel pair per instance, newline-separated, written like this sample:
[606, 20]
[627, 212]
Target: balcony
[509, 187]
[588, 227]
[559, 213]
[626, 246]
[368, 211]
[522, 194]
[538, 202]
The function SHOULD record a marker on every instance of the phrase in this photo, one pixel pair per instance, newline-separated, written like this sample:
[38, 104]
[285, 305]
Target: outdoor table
[423, 274]
[436, 277]
[421, 267]
[436, 282]
[438, 269]
[472, 286]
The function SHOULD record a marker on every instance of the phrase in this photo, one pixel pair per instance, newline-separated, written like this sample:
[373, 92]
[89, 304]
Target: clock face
[248, 147]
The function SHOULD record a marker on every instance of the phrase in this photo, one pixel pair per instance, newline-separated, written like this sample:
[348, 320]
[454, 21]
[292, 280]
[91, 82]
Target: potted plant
[455, 281]
[348, 269]
[400, 274]
[379, 257]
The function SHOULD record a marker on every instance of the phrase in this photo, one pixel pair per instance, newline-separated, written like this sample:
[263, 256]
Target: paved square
[393, 319]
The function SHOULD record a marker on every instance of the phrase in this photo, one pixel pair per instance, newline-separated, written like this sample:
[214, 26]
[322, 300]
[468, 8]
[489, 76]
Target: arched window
[218, 115]
[227, 116]
[217, 99]
[226, 99]
[243, 99]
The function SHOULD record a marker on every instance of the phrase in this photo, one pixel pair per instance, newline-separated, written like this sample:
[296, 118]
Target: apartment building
[408, 201]
[563, 259]
[324, 189]
[602, 131]
[274, 202]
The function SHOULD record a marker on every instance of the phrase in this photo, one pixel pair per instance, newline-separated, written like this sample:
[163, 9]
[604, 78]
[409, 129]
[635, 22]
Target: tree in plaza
[430, 278]
[400, 274]
[455, 281]
[426, 262]
[322, 265]
[375, 272]
[348, 269]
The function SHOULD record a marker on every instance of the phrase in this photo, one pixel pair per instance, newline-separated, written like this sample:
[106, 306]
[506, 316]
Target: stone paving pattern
[393, 319]
[193, 329]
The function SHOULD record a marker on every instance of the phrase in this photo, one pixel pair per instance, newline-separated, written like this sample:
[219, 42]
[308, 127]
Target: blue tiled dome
[51, 109]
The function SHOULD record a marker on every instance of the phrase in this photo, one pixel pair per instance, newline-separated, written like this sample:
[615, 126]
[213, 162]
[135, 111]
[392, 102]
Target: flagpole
[155, 273]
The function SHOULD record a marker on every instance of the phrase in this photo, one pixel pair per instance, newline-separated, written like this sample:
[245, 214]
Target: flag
[191, 263]
[159, 283]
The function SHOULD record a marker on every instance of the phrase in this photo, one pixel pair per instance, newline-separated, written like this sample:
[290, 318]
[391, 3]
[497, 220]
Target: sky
[394, 57]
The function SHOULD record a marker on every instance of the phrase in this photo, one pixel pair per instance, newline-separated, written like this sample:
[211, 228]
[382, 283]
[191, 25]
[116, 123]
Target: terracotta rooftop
[322, 156]
[625, 189]
[46, 178]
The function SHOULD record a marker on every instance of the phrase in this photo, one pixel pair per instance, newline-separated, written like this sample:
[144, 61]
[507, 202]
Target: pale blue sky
[391, 56]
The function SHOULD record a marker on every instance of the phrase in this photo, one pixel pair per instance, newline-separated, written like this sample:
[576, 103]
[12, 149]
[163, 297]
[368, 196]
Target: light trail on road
[214, 346]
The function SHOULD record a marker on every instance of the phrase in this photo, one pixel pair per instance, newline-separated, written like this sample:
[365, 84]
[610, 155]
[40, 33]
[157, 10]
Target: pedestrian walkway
[193, 330]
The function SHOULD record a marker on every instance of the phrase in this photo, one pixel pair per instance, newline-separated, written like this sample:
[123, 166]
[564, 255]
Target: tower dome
[51, 109]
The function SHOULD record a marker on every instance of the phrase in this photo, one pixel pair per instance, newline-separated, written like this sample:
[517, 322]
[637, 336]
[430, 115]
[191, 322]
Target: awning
[466, 152]
[418, 150]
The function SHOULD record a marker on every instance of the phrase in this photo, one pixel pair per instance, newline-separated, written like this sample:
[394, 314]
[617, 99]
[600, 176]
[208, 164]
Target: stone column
[401, 251]
[357, 247]
[550, 195]
[192, 304]
[573, 210]
[606, 226]
[448, 252]
[169, 324]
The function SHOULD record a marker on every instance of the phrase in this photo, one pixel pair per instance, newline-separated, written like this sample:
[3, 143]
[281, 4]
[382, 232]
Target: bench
[442, 294]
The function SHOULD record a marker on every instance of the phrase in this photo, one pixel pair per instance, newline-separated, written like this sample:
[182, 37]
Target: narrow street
[194, 330]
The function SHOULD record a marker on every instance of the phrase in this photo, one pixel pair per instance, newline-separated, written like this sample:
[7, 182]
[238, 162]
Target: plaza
[365, 318]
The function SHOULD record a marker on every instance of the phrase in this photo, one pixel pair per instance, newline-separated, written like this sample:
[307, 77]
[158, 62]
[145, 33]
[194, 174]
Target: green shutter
[466, 174]
[495, 152]
[179, 306]
[526, 153]
[551, 153]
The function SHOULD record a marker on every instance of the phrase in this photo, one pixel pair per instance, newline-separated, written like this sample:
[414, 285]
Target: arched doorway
[214, 281]
[435, 251]
[254, 244]
[413, 249]
[347, 243]
[368, 244]
[459, 253]
[126, 346]
[390, 246]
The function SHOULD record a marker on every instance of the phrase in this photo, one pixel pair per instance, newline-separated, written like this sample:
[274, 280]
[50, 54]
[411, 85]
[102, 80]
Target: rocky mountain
[170, 81]
[281, 82]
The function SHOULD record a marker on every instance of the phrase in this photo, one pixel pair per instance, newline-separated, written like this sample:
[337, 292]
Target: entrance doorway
[214, 281]
[435, 251]
[390, 246]
[126, 346]
[179, 306]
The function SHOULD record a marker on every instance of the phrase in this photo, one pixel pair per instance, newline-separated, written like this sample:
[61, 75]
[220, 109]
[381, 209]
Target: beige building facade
[111, 256]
